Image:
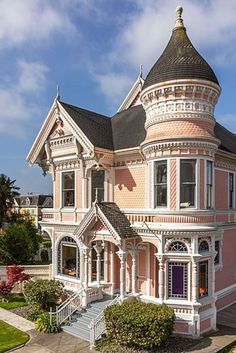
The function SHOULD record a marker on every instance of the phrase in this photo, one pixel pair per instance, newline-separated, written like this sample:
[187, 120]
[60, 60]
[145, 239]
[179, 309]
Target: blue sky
[93, 49]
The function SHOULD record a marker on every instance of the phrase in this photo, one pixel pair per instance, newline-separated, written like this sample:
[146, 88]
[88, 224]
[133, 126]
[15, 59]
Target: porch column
[161, 275]
[112, 274]
[84, 296]
[122, 257]
[98, 250]
[134, 270]
[194, 278]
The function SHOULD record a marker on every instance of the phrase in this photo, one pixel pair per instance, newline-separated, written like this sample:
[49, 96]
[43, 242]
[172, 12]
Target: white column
[134, 271]
[161, 275]
[98, 250]
[112, 274]
[194, 281]
[122, 256]
[84, 297]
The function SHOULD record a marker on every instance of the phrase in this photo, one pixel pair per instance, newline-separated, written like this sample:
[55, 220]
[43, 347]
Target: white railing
[65, 310]
[97, 325]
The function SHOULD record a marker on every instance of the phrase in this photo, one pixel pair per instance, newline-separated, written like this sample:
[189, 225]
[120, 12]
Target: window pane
[231, 189]
[203, 279]
[217, 249]
[68, 189]
[160, 181]
[187, 183]
[209, 172]
[178, 280]
[98, 178]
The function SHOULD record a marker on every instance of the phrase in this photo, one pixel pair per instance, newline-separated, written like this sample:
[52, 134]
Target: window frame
[155, 184]
[68, 241]
[209, 185]
[201, 263]
[231, 191]
[62, 189]
[91, 185]
[185, 266]
[185, 160]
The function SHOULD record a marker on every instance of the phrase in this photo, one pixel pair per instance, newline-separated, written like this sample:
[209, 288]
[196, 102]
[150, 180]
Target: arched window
[203, 247]
[68, 258]
[177, 246]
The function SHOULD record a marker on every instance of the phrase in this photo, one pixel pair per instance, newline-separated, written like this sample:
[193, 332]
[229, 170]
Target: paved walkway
[44, 343]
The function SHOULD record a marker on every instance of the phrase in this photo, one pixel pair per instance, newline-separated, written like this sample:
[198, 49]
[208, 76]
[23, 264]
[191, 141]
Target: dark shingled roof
[35, 200]
[227, 138]
[117, 219]
[96, 127]
[180, 60]
[128, 128]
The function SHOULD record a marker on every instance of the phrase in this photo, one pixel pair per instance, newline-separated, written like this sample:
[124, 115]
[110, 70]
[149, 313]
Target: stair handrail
[66, 309]
[97, 325]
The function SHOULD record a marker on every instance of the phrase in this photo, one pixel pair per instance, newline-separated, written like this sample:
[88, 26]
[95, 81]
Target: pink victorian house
[144, 201]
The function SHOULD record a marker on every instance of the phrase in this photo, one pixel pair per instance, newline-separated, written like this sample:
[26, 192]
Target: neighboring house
[144, 202]
[32, 205]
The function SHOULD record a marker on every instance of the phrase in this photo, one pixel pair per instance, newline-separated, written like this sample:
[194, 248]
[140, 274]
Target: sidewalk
[16, 320]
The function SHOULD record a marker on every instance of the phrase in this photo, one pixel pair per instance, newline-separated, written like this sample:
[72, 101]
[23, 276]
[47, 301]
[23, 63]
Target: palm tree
[7, 193]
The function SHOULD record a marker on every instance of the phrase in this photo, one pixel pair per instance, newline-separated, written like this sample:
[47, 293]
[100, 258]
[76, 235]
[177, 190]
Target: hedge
[139, 324]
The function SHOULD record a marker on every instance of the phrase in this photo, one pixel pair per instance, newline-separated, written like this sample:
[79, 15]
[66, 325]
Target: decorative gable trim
[91, 217]
[132, 97]
[56, 114]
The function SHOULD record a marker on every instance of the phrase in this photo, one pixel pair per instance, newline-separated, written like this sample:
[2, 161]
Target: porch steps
[78, 326]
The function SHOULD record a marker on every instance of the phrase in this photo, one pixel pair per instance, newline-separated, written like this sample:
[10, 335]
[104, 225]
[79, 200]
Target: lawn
[11, 337]
[15, 301]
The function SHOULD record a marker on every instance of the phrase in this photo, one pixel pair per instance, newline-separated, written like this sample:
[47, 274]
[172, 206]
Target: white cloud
[31, 20]
[15, 108]
[144, 33]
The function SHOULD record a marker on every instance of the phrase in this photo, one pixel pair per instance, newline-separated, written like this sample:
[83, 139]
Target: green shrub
[138, 324]
[44, 293]
[34, 312]
[43, 324]
[44, 255]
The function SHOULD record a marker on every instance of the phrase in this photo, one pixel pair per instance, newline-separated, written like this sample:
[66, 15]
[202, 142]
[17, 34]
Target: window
[160, 183]
[177, 246]
[68, 258]
[203, 279]
[187, 182]
[203, 247]
[209, 184]
[231, 190]
[177, 280]
[68, 189]
[217, 250]
[98, 179]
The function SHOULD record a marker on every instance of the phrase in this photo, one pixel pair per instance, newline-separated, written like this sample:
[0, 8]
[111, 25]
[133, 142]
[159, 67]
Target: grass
[15, 301]
[11, 337]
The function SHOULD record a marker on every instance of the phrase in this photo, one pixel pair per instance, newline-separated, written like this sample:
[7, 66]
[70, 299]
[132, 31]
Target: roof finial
[141, 71]
[58, 93]
[179, 21]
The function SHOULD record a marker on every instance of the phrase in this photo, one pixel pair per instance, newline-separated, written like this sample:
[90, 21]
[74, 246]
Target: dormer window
[187, 183]
[27, 201]
[68, 189]
[97, 185]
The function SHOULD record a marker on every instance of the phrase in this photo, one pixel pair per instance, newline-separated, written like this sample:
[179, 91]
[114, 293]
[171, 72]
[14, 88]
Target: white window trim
[75, 190]
[219, 266]
[180, 262]
[197, 188]
[167, 207]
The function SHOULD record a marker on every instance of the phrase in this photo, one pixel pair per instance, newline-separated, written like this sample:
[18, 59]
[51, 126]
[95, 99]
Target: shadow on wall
[124, 179]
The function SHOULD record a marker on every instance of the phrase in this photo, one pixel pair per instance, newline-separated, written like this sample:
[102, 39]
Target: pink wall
[226, 277]
[205, 325]
[221, 187]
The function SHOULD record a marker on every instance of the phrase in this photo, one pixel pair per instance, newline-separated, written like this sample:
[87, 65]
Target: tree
[20, 243]
[15, 274]
[7, 193]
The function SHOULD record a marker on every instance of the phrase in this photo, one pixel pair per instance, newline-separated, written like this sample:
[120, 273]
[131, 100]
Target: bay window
[68, 258]
[68, 189]
[160, 184]
[187, 183]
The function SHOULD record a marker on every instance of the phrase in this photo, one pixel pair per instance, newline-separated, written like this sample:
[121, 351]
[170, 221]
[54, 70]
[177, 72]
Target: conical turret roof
[180, 60]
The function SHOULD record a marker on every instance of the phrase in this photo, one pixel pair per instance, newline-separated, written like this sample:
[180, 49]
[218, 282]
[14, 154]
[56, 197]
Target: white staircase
[81, 320]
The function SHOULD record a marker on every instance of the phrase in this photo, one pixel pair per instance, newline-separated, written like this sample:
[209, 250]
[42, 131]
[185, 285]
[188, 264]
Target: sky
[93, 50]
